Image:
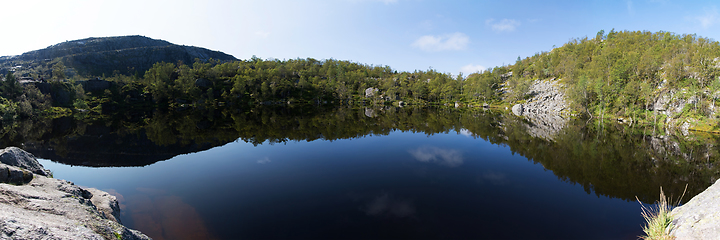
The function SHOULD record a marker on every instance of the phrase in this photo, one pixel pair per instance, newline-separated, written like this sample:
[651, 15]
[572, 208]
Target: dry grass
[659, 218]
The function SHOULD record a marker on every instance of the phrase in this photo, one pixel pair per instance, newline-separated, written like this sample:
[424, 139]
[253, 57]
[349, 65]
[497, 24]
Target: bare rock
[370, 92]
[544, 110]
[48, 208]
[517, 109]
[17, 157]
[14, 175]
[700, 217]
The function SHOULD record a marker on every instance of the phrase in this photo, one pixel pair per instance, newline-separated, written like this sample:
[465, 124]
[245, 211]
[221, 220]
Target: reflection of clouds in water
[264, 160]
[466, 132]
[385, 205]
[162, 216]
[494, 178]
[447, 157]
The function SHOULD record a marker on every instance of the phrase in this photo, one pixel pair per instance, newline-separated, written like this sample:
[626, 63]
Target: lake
[371, 173]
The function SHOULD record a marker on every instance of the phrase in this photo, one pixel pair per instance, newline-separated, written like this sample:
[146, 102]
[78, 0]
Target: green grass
[659, 219]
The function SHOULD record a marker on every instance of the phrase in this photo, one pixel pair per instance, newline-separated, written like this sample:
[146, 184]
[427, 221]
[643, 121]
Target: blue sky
[449, 36]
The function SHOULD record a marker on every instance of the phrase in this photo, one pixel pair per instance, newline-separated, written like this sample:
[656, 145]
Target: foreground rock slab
[700, 217]
[48, 208]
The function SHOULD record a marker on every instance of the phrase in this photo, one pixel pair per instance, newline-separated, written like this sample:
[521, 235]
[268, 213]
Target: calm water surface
[401, 184]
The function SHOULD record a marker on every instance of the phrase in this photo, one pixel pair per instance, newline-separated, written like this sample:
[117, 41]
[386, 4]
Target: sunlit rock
[700, 217]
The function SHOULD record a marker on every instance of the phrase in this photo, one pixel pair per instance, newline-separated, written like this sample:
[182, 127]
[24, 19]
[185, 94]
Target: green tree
[58, 70]
[11, 88]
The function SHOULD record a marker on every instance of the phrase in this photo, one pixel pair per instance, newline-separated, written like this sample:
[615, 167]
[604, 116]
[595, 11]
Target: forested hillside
[624, 73]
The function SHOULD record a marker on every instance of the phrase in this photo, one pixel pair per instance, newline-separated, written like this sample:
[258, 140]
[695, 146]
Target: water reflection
[163, 216]
[606, 159]
[404, 173]
[264, 160]
[386, 205]
[494, 178]
[446, 157]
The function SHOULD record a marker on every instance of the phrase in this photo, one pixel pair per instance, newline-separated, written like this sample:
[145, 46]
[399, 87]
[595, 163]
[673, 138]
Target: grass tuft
[659, 218]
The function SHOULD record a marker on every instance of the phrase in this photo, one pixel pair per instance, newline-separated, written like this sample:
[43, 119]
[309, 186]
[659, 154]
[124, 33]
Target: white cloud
[505, 25]
[630, 8]
[466, 132]
[454, 41]
[447, 157]
[709, 19]
[263, 160]
[470, 68]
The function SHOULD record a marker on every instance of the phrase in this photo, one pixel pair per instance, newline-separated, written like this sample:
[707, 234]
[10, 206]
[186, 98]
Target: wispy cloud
[630, 7]
[494, 178]
[710, 18]
[471, 68]
[263, 160]
[505, 25]
[447, 157]
[386, 205]
[431, 43]
[466, 132]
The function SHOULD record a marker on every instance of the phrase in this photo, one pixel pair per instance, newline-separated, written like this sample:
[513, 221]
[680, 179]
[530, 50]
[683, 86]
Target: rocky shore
[33, 205]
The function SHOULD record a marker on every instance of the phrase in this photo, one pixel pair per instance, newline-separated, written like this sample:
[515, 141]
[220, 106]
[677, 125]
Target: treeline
[249, 82]
[297, 81]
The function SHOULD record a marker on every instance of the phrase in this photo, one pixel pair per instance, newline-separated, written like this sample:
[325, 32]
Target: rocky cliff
[34, 206]
[545, 110]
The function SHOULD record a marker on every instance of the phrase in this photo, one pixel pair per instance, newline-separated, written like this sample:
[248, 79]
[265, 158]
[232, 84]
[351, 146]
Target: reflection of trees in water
[613, 160]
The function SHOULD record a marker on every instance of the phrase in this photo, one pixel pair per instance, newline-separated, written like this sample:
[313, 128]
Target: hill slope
[125, 55]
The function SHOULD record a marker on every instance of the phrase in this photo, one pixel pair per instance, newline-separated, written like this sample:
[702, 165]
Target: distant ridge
[123, 54]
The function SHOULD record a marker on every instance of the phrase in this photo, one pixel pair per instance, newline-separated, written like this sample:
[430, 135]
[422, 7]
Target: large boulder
[17, 157]
[13, 175]
[517, 109]
[700, 217]
[370, 92]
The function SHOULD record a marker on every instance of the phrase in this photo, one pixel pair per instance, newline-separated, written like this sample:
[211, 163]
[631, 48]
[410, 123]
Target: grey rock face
[370, 92]
[16, 157]
[700, 217]
[47, 208]
[13, 175]
[544, 110]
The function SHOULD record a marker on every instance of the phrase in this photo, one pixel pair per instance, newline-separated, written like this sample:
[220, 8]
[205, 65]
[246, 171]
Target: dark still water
[375, 174]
